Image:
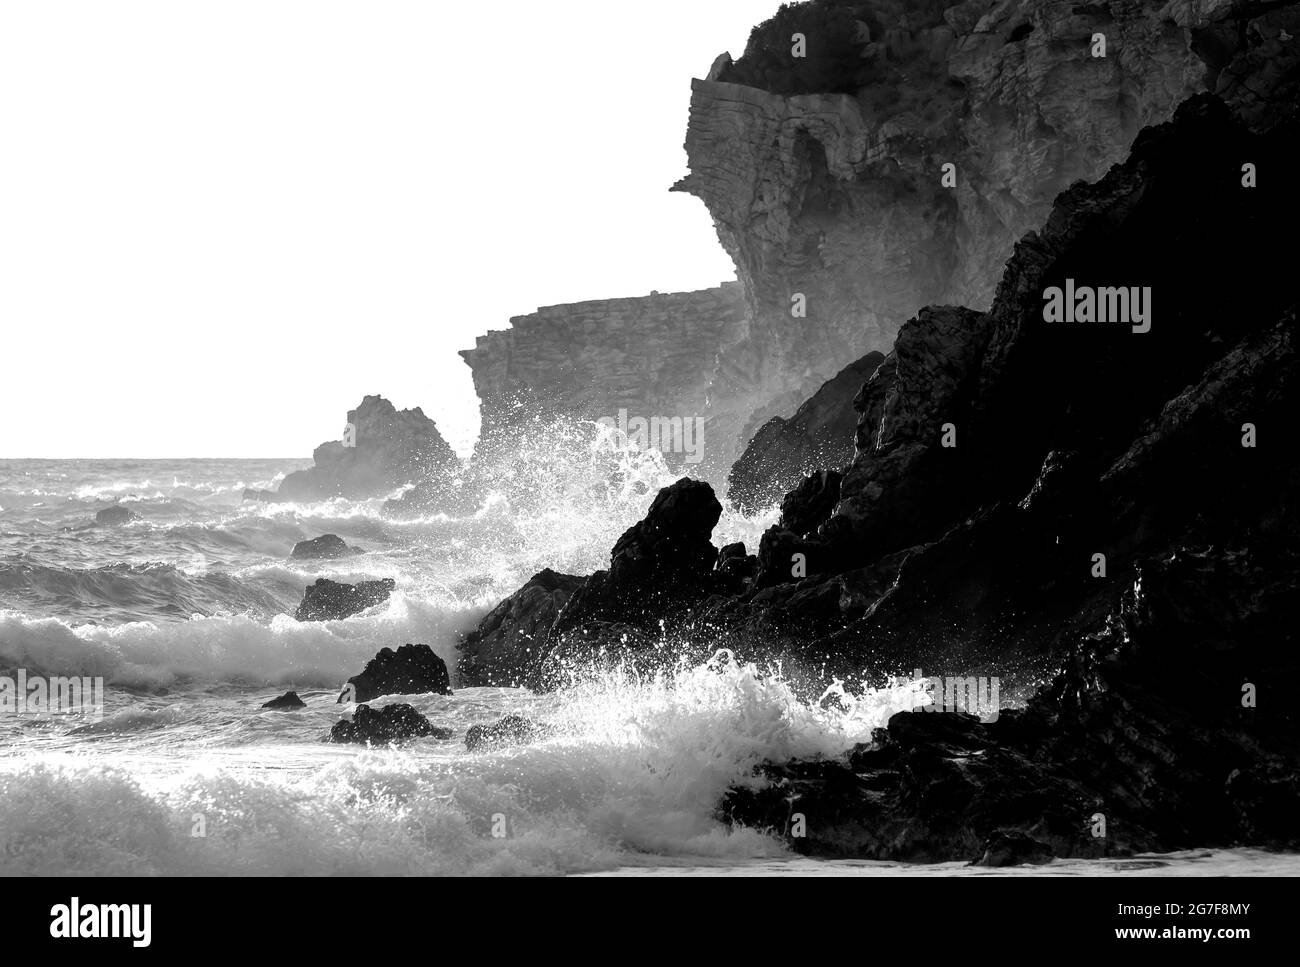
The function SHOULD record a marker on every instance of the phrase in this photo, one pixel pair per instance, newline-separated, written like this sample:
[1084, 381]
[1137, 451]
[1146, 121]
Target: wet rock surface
[1086, 510]
[327, 600]
[410, 670]
[392, 723]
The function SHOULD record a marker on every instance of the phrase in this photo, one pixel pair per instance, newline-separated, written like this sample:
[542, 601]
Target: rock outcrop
[651, 356]
[325, 547]
[661, 564]
[509, 730]
[392, 723]
[1087, 510]
[820, 434]
[382, 449]
[1142, 743]
[285, 703]
[825, 174]
[411, 670]
[509, 644]
[328, 600]
[660, 569]
[116, 516]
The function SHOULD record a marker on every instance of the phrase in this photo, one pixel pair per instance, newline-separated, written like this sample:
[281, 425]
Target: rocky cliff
[1100, 513]
[825, 174]
[652, 356]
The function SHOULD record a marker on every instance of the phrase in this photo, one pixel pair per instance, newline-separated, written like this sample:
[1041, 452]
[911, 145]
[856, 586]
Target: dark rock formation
[660, 564]
[1153, 722]
[825, 179]
[115, 516]
[382, 449]
[411, 670]
[823, 174]
[660, 568]
[508, 645]
[328, 600]
[1143, 742]
[1088, 511]
[511, 729]
[392, 723]
[286, 702]
[820, 434]
[326, 546]
[1012, 848]
[734, 562]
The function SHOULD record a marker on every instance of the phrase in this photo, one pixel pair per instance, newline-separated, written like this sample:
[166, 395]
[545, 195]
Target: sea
[186, 615]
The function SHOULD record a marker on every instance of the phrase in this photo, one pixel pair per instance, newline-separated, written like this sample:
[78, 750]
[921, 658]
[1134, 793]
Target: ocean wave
[637, 768]
[236, 648]
[124, 591]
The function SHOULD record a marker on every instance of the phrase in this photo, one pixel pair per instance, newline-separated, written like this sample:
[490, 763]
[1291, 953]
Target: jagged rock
[326, 546]
[823, 174]
[809, 504]
[411, 670]
[985, 374]
[115, 516]
[392, 723]
[820, 434]
[382, 449]
[508, 644]
[1151, 719]
[658, 566]
[659, 569]
[286, 702]
[1144, 727]
[732, 560]
[511, 729]
[328, 600]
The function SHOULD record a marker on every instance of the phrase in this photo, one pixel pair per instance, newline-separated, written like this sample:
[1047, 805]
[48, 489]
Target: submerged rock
[116, 515]
[328, 600]
[411, 670]
[512, 729]
[326, 546]
[392, 723]
[286, 702]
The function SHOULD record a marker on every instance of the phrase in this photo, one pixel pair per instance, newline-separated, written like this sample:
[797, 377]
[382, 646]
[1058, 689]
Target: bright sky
[223, 223]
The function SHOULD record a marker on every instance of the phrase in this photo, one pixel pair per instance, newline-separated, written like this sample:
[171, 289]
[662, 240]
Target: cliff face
[1101, 515]
[839, 196]
[653, 356]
